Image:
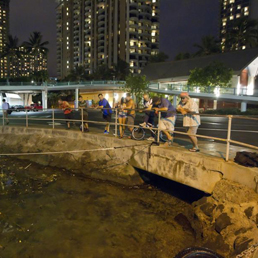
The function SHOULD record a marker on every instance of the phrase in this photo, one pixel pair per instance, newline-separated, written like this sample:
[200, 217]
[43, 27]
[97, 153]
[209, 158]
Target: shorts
[107, 117]
[130, 120]
[122, 116]
[167, 124]
[68, 116]
[192, 129]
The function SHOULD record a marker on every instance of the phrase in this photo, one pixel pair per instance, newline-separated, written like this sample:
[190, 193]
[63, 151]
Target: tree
[158, 58]
[183, 56]
[78, 74]
[103, 72]
[121, 70]
[53, 99]
[40, 76]
[244, 32]
[12, 52]
[136, 85]
[209, 45]
[215, 74]
[36, 47]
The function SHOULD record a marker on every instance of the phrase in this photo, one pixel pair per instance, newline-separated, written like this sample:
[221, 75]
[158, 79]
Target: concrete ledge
[196, 170]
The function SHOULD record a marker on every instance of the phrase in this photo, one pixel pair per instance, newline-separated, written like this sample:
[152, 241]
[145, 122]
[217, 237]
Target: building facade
[96, 32]
[231, 10]
[4, 31]
[27, 65]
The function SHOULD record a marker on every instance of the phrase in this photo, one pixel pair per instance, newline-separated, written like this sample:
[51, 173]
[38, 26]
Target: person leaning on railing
[130, 107]
[106, 110]
[64, 105]
[191, 120]
[168, 117]
[122, 115]
[83, 104]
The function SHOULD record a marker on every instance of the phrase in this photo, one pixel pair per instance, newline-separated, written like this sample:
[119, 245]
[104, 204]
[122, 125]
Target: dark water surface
[47, 212]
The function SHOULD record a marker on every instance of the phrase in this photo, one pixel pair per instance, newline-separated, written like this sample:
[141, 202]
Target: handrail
[116, 124]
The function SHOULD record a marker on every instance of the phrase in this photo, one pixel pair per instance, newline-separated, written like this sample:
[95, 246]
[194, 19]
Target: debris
[28, 166]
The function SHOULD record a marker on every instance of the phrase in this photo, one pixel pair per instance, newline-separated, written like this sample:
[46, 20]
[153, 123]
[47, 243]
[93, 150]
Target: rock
[217, 243]
[220, 207]
[257, 219]
[183, 221]
[222, 222]
[241, 243]
[208, 209]
[200, 202]
[249, 212]
[240, 231]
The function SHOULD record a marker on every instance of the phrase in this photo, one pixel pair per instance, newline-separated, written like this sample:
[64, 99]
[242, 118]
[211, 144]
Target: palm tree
[182, 56]
[12, 52]
[208, 46]
[36, 47]
[77, 74]
[244, 32]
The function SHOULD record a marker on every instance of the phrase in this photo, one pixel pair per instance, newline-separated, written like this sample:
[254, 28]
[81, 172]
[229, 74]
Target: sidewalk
[211, 148]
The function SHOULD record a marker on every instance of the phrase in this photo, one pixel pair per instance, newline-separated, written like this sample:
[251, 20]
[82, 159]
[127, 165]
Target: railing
[152, 86]
[203, 89]
[115, 82]
[228, 140]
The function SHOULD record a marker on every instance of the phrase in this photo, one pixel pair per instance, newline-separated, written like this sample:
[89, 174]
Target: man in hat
[191, 120]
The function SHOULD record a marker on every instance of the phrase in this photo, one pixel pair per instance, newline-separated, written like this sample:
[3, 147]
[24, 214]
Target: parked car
[17, 108]
[36, 107]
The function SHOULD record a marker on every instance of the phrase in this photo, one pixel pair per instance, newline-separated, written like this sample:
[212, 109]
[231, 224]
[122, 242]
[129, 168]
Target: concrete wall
[196, 170]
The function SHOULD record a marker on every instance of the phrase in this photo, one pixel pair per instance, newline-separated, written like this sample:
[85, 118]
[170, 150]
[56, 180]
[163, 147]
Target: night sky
[183, 23]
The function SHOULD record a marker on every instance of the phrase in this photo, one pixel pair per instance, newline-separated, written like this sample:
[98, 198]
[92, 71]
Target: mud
[48, 212]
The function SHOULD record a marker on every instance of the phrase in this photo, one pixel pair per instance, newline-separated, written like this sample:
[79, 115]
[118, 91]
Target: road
[242, 130]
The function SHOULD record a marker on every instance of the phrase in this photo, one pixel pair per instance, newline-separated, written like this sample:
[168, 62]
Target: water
[47, 212]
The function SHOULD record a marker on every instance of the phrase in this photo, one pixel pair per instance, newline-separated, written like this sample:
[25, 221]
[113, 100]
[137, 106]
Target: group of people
[152, 106]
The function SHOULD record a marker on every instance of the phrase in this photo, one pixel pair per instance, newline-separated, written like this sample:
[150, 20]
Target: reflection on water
[46, 212]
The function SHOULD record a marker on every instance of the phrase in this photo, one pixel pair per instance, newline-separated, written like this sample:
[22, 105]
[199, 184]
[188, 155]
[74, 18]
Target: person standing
[64, 105]
[191, 118]
[168, 117]
[121, 116]
[106, 110]
[149, 114]
[130, 107]
[5, 107]
[83, 105]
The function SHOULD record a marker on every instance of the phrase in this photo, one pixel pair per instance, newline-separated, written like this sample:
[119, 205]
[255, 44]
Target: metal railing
[152, 86]
[202, 89]
[227, 140]
[54, 83]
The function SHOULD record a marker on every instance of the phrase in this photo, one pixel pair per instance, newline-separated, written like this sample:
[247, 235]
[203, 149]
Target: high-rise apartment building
[4, 31]
[231, 10]
[18, 67]
[96, 32]
[27, 65]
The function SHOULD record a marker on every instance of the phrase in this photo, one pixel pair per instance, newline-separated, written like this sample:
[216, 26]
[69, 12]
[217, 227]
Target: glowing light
[217, 91]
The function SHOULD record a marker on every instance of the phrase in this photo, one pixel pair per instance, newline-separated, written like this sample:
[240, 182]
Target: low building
[243, 63]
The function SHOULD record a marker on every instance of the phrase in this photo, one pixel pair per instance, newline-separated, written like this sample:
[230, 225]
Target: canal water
[47, 212]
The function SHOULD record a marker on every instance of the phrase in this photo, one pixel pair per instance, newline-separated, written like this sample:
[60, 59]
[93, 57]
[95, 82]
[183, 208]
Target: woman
[83, 104]
[122, 116]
